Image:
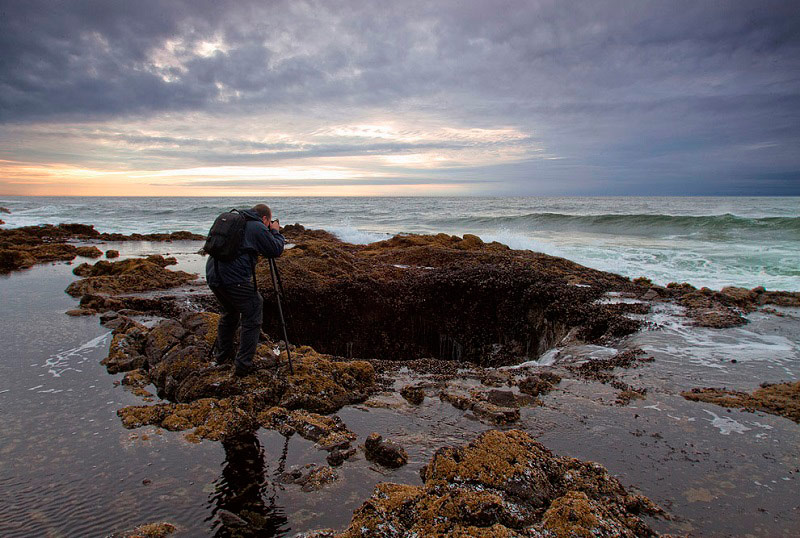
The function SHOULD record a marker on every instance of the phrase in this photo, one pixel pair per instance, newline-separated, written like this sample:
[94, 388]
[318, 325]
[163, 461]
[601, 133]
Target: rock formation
[175, 355]
[441, 296]
[503, 484]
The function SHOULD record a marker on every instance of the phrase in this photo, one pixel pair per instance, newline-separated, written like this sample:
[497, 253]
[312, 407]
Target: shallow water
[69, 467]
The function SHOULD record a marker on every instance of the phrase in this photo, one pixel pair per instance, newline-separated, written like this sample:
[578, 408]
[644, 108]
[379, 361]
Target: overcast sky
[399, 97]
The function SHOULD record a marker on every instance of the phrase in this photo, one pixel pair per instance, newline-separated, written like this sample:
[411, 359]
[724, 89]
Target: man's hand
[275, 225]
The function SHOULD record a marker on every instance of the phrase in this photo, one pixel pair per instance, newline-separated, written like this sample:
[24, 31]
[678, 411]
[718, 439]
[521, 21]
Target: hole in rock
[486, 316]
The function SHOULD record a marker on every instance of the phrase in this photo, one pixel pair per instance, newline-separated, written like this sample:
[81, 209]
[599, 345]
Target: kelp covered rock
[127, 276]
[504, 484]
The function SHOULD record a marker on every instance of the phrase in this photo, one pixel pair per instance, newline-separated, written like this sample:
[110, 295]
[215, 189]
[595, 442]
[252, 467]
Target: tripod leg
[278, 293]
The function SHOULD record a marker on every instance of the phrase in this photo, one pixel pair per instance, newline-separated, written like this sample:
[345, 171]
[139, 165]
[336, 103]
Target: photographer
[233, 284]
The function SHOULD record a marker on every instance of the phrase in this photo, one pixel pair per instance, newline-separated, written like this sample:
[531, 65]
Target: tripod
[278, 285]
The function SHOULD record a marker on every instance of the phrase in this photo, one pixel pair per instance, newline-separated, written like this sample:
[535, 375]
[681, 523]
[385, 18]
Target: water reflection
[244, 499]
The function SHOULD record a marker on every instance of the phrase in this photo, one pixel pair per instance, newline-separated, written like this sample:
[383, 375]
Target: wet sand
[71, 468]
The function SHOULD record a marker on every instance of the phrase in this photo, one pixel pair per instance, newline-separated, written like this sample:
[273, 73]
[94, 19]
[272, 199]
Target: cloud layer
[475, 97]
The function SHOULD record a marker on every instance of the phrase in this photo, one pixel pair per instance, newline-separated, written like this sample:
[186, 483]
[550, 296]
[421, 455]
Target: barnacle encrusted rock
[413, 395]
[539, 383]
[504, 484]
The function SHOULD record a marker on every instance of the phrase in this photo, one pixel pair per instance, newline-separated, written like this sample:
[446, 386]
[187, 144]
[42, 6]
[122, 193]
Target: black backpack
[226, 235]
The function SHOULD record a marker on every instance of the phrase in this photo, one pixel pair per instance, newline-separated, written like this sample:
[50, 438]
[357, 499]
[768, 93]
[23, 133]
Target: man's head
[263, 211]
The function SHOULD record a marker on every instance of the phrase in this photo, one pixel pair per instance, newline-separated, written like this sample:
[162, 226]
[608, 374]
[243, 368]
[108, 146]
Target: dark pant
[239, 302]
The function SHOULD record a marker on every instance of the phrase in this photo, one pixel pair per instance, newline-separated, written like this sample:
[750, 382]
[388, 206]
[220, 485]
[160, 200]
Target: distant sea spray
[707, 241]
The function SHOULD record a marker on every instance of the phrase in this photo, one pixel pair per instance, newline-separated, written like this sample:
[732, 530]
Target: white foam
[545, 359]
[677, 339]
[726, 425]
[65, 360]
[351, 234]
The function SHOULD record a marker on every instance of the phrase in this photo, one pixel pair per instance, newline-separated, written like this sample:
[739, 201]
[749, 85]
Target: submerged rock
[340, 455]
[782, 399]
[149, 530]
[602, 370]
[309, 476]
[329, 432]
[504, 411]
[504, 484]
[384, 451]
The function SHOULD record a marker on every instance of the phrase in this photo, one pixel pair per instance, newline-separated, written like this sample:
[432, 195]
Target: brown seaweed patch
[782, 399]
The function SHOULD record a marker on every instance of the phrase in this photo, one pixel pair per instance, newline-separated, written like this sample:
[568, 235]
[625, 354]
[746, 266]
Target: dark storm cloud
[633, 94]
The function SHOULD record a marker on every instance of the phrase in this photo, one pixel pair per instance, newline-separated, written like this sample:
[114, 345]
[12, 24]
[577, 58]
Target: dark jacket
[258, 239]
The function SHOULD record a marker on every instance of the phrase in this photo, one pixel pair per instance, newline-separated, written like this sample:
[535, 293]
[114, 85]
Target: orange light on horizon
[24, 179]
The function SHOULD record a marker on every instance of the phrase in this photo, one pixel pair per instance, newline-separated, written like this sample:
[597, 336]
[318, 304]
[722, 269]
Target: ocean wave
[350, 234]
[520, 241]
[717, 226]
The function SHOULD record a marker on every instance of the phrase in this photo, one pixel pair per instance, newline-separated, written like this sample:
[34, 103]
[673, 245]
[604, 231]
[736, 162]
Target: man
[233, 285]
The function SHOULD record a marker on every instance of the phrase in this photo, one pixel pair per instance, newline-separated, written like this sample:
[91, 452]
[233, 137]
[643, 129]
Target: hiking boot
[225, 359]
[243, 371]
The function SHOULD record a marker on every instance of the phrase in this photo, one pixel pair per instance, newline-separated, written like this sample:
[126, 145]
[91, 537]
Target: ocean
[706, 241]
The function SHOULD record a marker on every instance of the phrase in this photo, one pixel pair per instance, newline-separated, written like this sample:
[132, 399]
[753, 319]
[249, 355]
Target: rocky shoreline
[456, 310]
